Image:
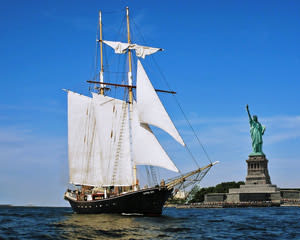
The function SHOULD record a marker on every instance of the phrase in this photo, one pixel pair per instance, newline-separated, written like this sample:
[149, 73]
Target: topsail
[140, 51]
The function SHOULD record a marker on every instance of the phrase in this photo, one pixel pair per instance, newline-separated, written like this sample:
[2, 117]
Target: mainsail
[99, 145]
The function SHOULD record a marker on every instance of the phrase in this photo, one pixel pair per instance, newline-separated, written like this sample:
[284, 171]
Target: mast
[129, 58]
[101, 55]
[101, 70]
[135, 182]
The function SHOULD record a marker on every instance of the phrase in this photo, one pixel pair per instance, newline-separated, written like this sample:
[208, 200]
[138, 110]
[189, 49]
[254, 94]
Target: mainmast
[135, 183]
[129, 58]
[101, 55]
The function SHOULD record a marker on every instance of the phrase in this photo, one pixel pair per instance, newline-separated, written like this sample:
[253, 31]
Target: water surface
[62, 223]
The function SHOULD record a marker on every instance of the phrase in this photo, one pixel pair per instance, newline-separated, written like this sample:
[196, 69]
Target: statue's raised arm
[249, 115]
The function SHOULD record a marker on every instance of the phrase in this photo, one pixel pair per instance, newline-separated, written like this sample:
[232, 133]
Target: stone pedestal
[258, 185]
[257, 170]
[255, 188]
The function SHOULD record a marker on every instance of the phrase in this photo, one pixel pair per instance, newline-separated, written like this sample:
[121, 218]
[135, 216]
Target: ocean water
[62, 223]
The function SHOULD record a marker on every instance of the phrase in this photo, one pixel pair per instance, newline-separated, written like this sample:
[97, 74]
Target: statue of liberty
[256, 131]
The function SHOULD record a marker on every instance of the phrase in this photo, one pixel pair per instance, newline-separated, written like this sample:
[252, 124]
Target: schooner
[109, 137]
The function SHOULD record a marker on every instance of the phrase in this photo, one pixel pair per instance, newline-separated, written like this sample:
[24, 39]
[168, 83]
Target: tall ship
[110, 139]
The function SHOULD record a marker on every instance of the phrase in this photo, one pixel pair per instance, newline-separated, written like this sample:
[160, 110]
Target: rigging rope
[183, 113]
[181, 109]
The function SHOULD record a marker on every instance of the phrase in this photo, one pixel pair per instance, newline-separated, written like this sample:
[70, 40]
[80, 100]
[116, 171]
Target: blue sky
[219, 56]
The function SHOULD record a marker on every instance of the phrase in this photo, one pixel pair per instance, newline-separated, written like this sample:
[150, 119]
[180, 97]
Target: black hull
[147, 202]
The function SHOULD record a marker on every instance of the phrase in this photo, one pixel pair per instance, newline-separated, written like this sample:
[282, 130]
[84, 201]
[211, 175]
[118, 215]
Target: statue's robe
[256, 130]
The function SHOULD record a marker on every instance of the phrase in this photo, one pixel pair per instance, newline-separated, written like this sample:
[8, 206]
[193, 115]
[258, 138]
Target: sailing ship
[109, 137]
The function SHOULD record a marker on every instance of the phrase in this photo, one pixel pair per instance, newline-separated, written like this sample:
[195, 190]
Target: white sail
[119, 47]
[146, 148]
[83, 141]
[143, 51]
[112, 124]
[150, 108]
[140, 51]
[98, 141]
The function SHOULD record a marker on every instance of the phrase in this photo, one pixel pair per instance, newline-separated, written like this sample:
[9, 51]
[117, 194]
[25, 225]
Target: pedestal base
[257, 170]
[258, 187]
[253, 197]
[255, 188]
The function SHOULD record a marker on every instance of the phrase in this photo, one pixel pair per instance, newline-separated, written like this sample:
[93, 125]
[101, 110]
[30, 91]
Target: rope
[183, 113]
[181, 109]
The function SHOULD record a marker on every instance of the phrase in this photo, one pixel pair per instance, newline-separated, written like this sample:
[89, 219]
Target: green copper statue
[256, 130]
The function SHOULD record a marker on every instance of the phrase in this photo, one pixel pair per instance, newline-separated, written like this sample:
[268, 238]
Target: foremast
[130, 94]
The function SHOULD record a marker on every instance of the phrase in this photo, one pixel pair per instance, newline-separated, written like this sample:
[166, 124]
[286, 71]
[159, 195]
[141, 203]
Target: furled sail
[150, 108]
[112, 124]
[119, 47]
[146, 148]
[140, 51]
[83, 141]
[143, 51]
